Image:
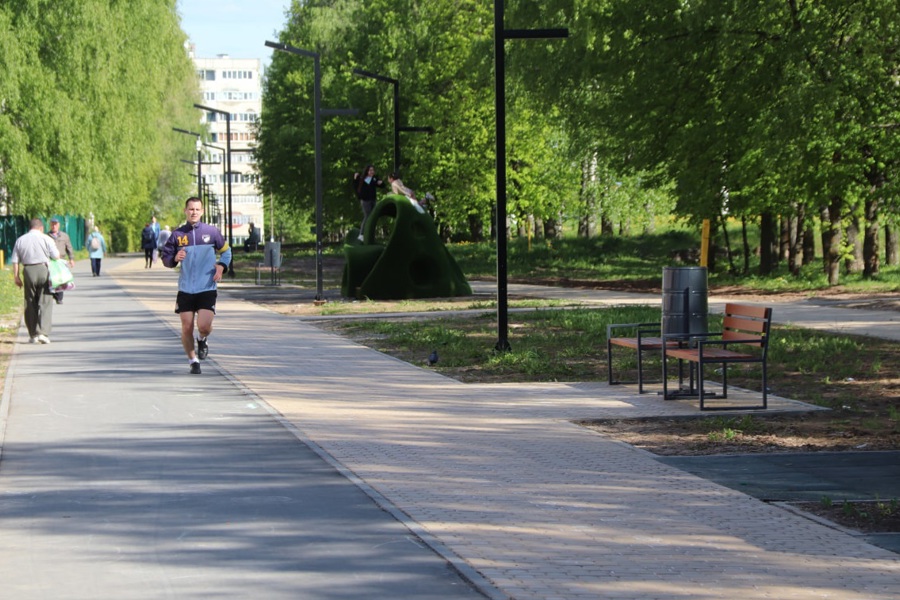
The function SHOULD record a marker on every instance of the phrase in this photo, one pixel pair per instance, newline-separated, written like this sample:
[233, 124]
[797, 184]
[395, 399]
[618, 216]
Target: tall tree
[90, 93]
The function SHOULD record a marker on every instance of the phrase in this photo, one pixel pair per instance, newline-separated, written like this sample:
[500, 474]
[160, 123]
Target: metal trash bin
[272, 257]
[685, 300]
[272, 262]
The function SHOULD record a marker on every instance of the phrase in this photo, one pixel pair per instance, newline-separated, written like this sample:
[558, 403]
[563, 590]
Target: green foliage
[648, 109]
[89, 92]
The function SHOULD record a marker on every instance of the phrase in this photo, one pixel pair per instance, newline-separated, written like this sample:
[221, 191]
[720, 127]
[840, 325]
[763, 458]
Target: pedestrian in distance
[96, 245]
[163, 237]
[204, 255]
[366, 185]
[251, 244]
[148, 244]
[157, 229]
[31, 258]
[64, 245]
[397, 187]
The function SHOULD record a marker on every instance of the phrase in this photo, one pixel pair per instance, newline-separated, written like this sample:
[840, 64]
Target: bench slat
[742, 324]
[647, 343]
[755, 312]
[693, 355]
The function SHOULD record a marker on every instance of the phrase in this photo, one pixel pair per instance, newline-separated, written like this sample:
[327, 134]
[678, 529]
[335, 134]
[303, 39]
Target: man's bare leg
[204, 328]
[187, 334]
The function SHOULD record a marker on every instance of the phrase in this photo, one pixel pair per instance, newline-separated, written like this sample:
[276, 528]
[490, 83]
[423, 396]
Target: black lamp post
[229, 214]
[500, 37]
[397, 127]
[318, 113]
[199, 158]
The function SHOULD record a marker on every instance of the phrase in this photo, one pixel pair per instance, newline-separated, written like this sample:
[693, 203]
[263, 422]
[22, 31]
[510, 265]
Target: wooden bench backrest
[743, 322]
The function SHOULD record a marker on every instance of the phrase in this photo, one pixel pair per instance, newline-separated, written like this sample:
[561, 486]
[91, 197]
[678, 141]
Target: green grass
[408, 306]
[811, 279]
[547, 344]
[11, 298]
[599, 258]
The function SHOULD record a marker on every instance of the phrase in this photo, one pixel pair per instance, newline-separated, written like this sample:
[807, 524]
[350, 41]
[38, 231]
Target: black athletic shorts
[194, 302]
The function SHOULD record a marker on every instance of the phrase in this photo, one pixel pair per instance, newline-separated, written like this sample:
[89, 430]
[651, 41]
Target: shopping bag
[59, 273]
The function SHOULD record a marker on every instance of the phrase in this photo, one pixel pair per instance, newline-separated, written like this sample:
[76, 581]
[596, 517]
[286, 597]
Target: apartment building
[232, 85]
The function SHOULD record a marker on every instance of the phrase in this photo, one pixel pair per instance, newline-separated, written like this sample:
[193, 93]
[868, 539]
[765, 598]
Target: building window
[237, 74]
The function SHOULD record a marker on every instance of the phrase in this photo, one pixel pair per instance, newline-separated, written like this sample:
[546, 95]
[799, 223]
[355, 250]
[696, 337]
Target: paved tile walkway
[498, 479]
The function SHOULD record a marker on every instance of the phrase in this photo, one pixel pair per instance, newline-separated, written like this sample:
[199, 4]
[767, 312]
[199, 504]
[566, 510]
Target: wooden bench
[647, 337]
[744, 339]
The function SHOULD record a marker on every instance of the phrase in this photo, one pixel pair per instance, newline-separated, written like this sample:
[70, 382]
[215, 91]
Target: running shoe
[202, 349]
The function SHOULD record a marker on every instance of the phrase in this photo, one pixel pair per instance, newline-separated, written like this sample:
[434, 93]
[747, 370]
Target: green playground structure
[412, 262]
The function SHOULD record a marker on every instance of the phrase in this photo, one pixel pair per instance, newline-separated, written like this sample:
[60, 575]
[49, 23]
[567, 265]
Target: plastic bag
[60, 274]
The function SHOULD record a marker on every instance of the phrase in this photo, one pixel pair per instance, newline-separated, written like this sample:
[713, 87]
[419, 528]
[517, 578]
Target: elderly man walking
[64, 245]
[32, 255]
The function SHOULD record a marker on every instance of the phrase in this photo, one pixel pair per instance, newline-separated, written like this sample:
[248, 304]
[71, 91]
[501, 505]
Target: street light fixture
[224, 175]
[500, 37]
[318, 113]
[229, 215]
[397, 127]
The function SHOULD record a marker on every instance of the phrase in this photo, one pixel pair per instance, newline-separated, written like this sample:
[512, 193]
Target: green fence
[11, 227]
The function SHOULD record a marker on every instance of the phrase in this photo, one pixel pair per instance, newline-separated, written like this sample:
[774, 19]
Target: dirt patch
[866, 517]
[812, 432]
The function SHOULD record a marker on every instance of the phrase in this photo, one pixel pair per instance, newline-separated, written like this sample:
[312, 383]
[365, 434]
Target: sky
[238, 28]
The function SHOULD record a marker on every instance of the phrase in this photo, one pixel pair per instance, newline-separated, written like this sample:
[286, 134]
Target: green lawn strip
[11, 302]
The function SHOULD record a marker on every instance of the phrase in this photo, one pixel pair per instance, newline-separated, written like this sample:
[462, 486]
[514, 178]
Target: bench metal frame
[648, 338]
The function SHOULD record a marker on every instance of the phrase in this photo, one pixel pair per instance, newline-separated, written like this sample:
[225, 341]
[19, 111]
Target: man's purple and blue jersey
[205, 246]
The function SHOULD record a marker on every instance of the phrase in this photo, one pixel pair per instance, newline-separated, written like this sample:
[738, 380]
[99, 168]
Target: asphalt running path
[123, 476]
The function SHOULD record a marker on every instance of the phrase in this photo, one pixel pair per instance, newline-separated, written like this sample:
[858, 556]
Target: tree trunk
[870, 239]
[784, 242]
[650, 225]
[746, 244]
[731, 268]
[831, 240]
[809, 242]
[606, 225]
[476, 228]
[872, 205]
[854, 262]
[551, 229]
[767, 243]
[891, 245]
[588, 195]
[795, 251]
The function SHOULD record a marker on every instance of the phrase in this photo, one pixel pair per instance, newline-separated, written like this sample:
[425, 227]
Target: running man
[204, 255]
